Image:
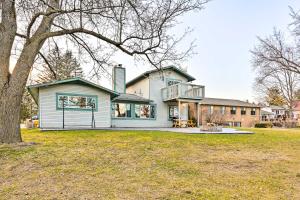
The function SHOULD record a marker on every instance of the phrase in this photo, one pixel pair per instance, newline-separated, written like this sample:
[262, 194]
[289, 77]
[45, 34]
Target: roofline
[71, 80]
[250, 104]
[146, 74]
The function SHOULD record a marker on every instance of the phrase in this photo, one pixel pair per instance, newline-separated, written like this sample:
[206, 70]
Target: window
[253, 111]
[69, 101]
[243, 111]
[210, 109]
[223, 110]
[233, 110]
[173, 112]
[121, 110]
[145, 111]
[172, 82]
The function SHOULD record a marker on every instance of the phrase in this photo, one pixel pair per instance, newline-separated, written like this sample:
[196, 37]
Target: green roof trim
[34, 89]
[146, 74]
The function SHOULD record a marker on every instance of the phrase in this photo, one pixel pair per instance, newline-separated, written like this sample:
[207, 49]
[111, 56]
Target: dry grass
[152, 165]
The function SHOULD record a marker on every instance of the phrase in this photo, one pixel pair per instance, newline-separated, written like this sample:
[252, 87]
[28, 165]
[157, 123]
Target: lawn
[151, 165]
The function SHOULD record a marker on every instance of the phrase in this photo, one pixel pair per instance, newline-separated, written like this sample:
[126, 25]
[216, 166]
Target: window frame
[126, 116]
[243, 110]
[148, 118]
[222, 110]
[252, 112]
[172, 79]
[169, 107]
[58, 107]
[133, 107]
[231, 110]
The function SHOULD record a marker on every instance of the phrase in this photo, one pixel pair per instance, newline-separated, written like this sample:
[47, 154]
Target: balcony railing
[184, 91]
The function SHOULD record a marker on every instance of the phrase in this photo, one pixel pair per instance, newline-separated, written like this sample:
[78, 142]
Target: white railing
[184, 91]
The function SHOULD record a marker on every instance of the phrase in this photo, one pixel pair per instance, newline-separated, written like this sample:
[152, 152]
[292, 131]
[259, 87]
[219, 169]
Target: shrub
[277, 124]
[263, 125]
[290, 124]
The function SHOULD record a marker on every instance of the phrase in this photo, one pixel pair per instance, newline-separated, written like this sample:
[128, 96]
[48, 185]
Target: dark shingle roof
[146, 74]
[227, 102]
[131, 98]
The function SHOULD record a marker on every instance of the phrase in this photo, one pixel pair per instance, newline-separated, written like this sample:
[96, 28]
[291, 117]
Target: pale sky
[225, 31]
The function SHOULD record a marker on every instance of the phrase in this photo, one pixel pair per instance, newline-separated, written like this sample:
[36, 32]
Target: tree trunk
[10, 117]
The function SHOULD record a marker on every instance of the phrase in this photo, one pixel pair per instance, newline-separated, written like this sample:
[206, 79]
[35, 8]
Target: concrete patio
[177, 130]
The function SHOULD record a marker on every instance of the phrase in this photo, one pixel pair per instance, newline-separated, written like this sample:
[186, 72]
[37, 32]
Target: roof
[33, 89]
[227, 102]
[276, 107]
[146, 74]
[131, 98]
[264, 112]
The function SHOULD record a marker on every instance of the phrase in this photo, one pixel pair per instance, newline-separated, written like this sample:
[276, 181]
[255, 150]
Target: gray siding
[50, 117]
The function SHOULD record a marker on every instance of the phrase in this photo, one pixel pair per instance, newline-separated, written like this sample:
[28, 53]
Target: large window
[145, 111]
[70, 101]
[233, 110]
[121, 110]
[243, 111]
[172, 82]
[173, 112]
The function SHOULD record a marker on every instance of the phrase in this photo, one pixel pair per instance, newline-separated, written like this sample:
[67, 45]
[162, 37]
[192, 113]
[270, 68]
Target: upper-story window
[76, 102]
[233, 110]
[121, 110]
[222, 110]
[243, 111]
[173, 82]
[253, 111]
[210, 109]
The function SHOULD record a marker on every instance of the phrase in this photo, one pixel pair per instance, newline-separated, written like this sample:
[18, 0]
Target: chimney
[119, 79]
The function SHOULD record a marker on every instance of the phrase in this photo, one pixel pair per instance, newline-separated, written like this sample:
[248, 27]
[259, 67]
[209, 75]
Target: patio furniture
[177, 123]
[191, 123]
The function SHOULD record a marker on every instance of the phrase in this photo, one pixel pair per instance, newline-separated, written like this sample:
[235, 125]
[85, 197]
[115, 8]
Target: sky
[225, 32]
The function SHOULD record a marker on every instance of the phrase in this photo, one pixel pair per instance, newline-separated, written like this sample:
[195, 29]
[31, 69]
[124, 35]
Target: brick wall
[246, 120]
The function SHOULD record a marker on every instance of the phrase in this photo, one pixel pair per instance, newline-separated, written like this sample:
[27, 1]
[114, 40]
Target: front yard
[152, 165]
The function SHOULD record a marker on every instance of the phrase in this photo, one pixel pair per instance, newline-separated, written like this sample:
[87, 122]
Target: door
[184, 111]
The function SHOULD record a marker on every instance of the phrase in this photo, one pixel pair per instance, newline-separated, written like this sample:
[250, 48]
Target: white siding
[156, 84]
[50, 117]
[140, 88]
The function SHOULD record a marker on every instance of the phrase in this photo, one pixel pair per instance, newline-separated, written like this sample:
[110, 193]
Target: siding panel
[50, 117]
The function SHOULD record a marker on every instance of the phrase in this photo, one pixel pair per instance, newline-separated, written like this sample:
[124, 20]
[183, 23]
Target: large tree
[276, 51]
[273, 70]
[143, 29]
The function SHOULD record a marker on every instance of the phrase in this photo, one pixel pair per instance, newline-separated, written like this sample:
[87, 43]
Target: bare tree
[59, 66]
[142, 29]
[273, 61]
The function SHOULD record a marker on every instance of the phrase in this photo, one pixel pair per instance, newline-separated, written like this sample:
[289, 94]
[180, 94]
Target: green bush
[263, 125]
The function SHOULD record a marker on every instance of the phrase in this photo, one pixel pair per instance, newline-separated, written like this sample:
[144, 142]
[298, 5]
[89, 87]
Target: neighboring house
[296, 111]
[152, 99]
[229, 112]
[274, 113]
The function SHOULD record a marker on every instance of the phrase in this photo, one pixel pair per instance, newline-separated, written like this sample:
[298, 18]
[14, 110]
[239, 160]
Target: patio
[176, 130]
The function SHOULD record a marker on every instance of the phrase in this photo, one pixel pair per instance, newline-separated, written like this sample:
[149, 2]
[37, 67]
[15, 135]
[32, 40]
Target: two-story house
[152, 99]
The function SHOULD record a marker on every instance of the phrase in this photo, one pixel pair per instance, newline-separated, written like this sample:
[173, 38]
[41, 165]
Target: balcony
[183, 91]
